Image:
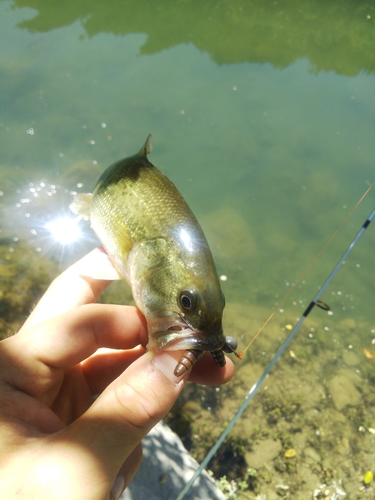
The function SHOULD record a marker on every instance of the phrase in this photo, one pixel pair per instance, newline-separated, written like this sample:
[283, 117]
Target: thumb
[127, 410]
[126, 473]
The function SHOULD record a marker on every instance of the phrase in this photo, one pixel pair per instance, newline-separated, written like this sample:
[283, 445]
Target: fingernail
[117, 488]
[166, 362]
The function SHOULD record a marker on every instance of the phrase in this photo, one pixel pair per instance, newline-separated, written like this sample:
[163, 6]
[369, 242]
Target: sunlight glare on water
[64, 230]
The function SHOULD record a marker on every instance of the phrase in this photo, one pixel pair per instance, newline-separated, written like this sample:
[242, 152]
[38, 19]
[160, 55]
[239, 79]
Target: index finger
[33, 361]
[74, 287]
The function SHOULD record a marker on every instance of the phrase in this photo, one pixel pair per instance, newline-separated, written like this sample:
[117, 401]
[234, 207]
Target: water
[263, 116]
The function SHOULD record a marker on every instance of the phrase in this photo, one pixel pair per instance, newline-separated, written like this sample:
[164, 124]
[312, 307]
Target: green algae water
[262, 114]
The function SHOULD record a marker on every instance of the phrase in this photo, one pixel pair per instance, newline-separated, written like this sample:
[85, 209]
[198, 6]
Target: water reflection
[278, 32]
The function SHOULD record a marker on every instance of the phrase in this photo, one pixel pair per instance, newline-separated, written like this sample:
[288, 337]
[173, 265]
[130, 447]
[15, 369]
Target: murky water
[263, 115]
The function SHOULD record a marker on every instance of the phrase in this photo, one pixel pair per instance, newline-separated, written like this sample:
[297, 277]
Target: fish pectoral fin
[146, 256]
[81, 204]
[99, 266]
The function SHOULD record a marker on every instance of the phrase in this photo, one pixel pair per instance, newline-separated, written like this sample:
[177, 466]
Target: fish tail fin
[81, 204]
[147, 147]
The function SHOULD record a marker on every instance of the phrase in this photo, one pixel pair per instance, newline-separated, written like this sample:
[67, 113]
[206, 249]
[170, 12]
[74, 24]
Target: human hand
[55, 440]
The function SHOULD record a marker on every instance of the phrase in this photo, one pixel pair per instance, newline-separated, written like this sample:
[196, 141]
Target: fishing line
[254, 389]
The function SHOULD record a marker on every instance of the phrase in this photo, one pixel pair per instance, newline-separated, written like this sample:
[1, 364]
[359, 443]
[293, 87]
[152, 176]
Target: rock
[166, 468]
[333, 416]
[351, 375]
[348, 324]
[307, 476]
[263, 452]
[313, 454]
[350, 358]
[343, 392]
[343, 447]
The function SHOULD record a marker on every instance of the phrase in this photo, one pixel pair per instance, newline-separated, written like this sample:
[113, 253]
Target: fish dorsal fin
[147, 147]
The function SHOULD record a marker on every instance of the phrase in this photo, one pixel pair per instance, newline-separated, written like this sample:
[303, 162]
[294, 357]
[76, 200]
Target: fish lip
[189, 340]
[199, 340]
[180, 335]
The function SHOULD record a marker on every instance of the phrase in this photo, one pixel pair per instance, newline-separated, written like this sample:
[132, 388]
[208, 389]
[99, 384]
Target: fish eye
[188, 300]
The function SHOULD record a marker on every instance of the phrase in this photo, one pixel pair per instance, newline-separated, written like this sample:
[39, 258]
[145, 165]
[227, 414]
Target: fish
[156, 244]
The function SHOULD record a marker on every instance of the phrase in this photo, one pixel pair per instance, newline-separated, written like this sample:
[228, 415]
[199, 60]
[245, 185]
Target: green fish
[156, 244]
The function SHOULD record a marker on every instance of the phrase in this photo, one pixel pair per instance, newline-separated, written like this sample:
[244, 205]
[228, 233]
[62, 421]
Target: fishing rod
[316, 301]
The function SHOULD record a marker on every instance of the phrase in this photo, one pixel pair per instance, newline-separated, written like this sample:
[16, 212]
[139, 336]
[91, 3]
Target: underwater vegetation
[24, 277]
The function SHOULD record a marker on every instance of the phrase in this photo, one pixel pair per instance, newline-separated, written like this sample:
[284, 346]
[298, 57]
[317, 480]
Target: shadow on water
[278, 32]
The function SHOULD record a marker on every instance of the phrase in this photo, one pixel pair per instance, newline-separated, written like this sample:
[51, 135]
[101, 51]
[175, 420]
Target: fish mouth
[181, 336]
